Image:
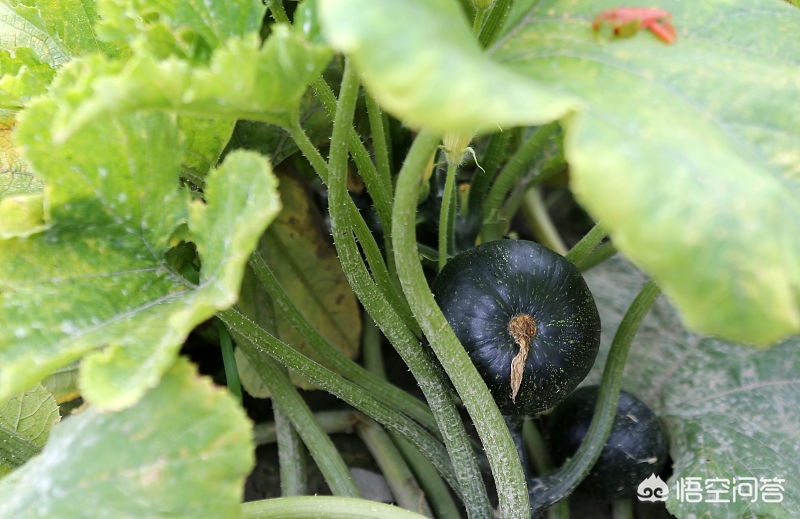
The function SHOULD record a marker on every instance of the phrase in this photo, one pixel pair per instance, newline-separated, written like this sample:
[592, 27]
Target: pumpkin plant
[171, 173]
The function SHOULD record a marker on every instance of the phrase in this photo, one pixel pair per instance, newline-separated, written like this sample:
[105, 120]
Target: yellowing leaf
[298, 252]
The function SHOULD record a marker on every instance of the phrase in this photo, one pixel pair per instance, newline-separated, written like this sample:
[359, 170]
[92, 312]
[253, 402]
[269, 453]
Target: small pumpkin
[636, 447]
[525, 317]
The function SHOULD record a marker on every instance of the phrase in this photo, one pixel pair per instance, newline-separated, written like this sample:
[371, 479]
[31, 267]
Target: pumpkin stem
[522, 328]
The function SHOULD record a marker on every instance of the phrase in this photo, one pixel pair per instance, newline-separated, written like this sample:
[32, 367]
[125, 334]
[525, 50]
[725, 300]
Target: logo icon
[653, 489]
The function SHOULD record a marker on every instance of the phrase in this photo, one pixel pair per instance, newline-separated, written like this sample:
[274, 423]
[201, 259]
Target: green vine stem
[535, 211]
[323, 507]
[493, 224]
[540, 458]
[516, 198]
[535, 447]
[340, 421]
[277, 10]
[622, 509]
[380, 144]
[589, 251]
[600, 253]
[491, 428]
[439, 496]
[371, 348]
[291, 456]
[447, 215]
[553, 487]
[369, 246]
[261, 347]
[581, 250]
[379, 185]
[477, 23]
[470, 484]
[382, 154]
[482, 178]
[494, 21]
[229, 363]
[405, 489]
[289, 402]
[331, 357]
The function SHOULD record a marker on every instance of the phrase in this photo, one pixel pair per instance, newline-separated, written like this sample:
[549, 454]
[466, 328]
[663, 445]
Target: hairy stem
[586, 245]
[261, 348]
[470, 386]
[323, 507]
[470, 485]
[493, 219]
[331, 356]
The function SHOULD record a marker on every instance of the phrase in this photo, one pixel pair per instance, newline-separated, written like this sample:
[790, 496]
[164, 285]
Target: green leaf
[63, 383]
[22, 214]
[204, 138]
[274, 141]
[729, 409]
[242, 199]
[693, 169]
[25, 422]
[24, 76]
[421, 62]
[182, 451]
[187, 29]
[96, 283]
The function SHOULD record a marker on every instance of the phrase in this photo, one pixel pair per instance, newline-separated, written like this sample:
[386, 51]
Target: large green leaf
[421, 62]
[730, 411]
[97, 282]
[182, 451]
[688, 153]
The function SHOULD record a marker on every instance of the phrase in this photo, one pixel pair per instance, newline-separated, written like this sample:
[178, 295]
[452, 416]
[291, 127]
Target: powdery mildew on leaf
[730, 410]
[685, 163]
[185, 446]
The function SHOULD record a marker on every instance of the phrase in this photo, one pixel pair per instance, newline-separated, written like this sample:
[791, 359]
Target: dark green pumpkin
[484, 290]
[636, 447]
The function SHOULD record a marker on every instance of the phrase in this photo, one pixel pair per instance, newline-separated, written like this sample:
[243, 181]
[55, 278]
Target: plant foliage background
[128, 216]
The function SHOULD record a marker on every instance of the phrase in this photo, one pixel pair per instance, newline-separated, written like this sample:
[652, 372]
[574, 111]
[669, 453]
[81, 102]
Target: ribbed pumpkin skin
[480, 290]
